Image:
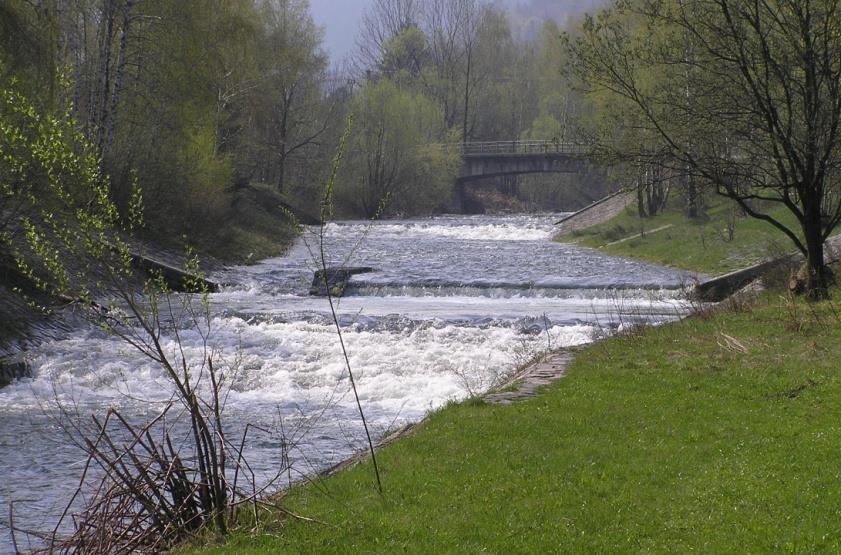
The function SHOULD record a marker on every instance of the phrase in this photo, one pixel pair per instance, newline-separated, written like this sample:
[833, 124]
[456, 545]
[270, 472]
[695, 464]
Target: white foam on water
[403, 371]
[476, 228]
[499, 232]
[409, 370]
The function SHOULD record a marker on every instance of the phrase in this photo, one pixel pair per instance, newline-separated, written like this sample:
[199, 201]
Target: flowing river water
[455, 303]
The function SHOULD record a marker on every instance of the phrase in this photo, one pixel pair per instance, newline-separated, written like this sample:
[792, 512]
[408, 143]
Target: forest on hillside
[220, 112]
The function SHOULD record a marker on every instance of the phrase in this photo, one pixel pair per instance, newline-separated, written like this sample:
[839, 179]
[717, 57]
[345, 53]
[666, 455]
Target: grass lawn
[256, 227]
[716, 434]
[702, 245]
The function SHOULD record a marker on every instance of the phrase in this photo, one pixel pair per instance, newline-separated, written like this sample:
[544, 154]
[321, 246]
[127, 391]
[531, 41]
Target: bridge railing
[490, 148]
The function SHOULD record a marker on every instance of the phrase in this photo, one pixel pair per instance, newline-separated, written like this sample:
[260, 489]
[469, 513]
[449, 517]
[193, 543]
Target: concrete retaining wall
[597, 213]
[719, 288]
[22, 325]
[12, 368]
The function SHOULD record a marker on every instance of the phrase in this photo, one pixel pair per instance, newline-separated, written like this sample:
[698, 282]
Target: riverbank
[723, 434]
[703, 443]
[720, 242]
[261, 225]
[454, 303]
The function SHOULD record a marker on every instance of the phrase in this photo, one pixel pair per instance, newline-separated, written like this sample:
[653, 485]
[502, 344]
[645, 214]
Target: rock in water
[334, 280]
[12, 368]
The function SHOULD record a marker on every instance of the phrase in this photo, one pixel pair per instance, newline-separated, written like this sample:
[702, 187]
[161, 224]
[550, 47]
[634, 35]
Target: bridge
[481, 160]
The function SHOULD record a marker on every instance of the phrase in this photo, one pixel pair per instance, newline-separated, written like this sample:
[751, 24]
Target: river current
[454, 304]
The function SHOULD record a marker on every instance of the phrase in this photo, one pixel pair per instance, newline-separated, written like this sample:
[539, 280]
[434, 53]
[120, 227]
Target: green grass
[257, 228]
[717, 434]
[702, 245]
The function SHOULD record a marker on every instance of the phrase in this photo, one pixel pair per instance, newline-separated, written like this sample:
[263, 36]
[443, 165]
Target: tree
[27, 45]
[451, 28]
[557, 101]
[393, 164]
[157, 483]
[405, 56]
[762, 126]
[494, 80]
[384, 20]
[445, 47]
[289, 109]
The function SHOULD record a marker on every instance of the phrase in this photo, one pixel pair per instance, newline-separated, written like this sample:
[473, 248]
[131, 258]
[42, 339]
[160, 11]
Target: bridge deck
[520, 148]
[482, 160]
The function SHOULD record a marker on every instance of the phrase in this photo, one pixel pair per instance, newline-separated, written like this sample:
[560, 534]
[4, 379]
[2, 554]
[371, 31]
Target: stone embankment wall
[19, 324]
[720, 287]
[22, 325]
[597, 213]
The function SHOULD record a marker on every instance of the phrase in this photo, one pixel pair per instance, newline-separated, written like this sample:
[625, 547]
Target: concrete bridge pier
[462, 202]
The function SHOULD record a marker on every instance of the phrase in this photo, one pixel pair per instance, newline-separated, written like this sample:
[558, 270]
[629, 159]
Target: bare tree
[110, 117]
[447, 46]
[443, 24]
[382, 21]
[471, 21]
[764, 118]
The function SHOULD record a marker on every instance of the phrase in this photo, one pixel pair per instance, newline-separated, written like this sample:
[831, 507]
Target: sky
[340, 19]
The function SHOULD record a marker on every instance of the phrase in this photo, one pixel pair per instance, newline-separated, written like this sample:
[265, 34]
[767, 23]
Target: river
[455, 303]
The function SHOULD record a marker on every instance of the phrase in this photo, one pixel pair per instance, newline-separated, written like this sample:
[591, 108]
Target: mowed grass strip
[703, 244]
[716, 434]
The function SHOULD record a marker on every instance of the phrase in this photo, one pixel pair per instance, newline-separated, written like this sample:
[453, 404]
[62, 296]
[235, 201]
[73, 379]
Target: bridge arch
[482, 160]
